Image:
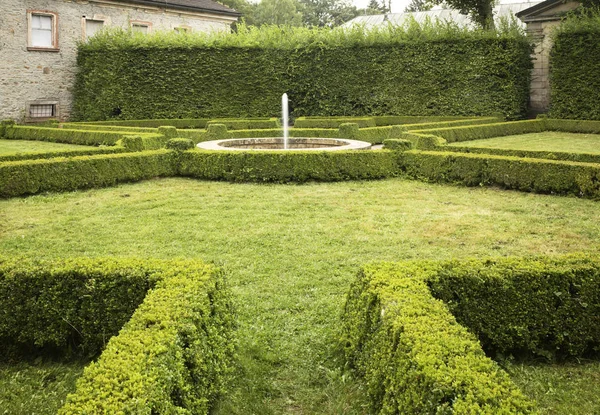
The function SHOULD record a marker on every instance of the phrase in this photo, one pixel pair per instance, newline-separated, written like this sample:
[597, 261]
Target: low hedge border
[383, 120]
[545, 306]
[529, 175]
[333, 122]
[66, 153]
[246, 124]
[67, 307]
[173, 356]
[414, 356]
[454, 123]
[290, 166]
[103, 127]
[19, 178]
[549, 155]
[478, 132]
[372, 122]
[143, 142]
[183, 123]
[60, 135]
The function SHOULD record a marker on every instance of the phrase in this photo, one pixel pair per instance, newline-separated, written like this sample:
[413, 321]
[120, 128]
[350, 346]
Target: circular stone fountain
[285, 143]
[310, 144]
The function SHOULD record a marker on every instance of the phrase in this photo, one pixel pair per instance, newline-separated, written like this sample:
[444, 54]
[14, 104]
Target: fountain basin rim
[323, 144]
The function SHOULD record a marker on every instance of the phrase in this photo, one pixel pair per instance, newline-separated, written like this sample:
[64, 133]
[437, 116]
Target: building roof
[201, 6]
[500, 11]
[544, 7]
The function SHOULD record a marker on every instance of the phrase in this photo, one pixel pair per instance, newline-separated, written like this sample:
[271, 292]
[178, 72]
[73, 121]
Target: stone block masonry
[45, 78]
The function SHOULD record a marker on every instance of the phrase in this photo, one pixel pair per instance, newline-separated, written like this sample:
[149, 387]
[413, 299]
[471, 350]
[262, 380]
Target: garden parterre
[295, 251]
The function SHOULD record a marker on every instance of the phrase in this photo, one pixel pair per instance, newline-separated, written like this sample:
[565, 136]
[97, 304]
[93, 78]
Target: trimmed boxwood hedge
[19, 178]
[64, 153]
[152, 123]
[413, 355]
[289, 166]
[529, 175]
[173, 356]
[478, 132]
[107, 127]
[547, 306]
[383, 120]
[246, 124]
[333, 122]
[538, 154]
[59, 135]
[69, 307]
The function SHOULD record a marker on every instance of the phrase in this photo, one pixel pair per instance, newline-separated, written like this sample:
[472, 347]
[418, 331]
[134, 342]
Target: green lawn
[9, 147]
[36, 388]
[570, 388]
[546, 141]
[291, 252]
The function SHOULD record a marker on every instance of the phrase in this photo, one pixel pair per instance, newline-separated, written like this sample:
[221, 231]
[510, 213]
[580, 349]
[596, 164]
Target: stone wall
[540, 24]
[28, 76]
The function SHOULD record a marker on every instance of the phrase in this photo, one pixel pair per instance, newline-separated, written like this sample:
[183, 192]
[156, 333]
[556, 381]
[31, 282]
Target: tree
[375, 6]
[279, 12]
[327, 12]
[419, 6]
[481, 11]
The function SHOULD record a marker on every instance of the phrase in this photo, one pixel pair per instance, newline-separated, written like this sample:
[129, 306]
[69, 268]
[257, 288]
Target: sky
[398, 6]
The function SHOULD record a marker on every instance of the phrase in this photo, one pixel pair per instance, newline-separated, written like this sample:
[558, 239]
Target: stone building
[38, 44]
[541, 19]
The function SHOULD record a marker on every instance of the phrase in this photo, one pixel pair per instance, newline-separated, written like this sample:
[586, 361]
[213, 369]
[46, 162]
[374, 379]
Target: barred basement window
[42, 110]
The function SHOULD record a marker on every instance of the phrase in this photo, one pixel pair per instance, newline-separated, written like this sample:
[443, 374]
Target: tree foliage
[481, 11]
[278, 12]
[419, 6]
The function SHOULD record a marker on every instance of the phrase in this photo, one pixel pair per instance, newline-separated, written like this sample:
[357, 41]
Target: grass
[38, 388]
[26, 146]
[570, 388]
[291, 252]
[546, 141]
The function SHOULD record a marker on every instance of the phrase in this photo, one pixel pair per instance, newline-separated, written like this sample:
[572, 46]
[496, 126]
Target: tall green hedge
[575, 74]
[325, 73]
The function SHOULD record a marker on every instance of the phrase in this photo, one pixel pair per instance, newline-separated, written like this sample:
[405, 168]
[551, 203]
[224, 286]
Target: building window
[139, 26]
[42, 110]
[43, 30]
[91, 27]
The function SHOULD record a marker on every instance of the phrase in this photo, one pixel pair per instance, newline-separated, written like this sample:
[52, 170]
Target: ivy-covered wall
[445, 73]
[575, 74]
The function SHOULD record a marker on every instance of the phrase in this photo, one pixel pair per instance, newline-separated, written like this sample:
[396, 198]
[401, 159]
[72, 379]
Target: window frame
[142, 23]
[84, 19]
[183, 29]
[48, 13]
[56, 110]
